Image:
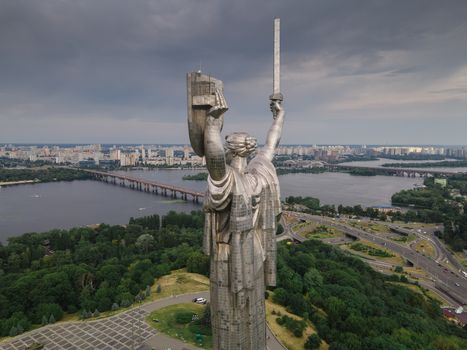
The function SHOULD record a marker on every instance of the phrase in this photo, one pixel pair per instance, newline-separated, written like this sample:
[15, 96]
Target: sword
[276, 81]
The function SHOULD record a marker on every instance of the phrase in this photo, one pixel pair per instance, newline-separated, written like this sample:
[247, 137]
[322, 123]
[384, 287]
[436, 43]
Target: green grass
[371, 250]
[426, 248]
[322, 232]
[185, 332]
[179, 282]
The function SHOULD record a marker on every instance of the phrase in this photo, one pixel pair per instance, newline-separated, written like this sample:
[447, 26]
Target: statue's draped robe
[241, 212]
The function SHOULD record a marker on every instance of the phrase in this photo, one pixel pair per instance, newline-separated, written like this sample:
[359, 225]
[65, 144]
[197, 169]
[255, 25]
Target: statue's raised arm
[275, 131]
[206, 108]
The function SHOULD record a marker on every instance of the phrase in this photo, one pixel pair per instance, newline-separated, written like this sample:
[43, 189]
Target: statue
[242, 208]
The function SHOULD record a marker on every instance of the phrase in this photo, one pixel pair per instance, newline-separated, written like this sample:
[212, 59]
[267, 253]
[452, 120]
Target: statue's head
[240, 144]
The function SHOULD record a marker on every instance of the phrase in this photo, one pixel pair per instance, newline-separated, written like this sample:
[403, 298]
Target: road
[452, 283]
[124, 331]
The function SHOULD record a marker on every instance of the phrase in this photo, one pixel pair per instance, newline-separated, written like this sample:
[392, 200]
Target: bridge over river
[145, 185]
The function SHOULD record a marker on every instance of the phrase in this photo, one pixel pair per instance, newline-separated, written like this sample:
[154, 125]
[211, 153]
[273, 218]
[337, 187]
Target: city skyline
[354, 72]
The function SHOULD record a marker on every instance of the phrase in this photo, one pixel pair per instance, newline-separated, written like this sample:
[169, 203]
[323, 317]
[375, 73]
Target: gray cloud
[119, 66]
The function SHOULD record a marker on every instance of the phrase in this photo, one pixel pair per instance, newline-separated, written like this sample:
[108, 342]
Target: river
[41, 207]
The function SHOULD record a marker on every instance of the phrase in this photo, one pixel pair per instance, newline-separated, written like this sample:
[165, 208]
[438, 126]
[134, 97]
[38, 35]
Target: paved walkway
[125, 331]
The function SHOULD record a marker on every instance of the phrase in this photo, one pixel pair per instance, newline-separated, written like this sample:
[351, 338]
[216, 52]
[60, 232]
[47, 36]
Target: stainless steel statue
[242, 207]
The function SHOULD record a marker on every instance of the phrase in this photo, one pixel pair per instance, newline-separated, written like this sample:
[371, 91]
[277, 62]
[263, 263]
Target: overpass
[406, 172]
[144, 185]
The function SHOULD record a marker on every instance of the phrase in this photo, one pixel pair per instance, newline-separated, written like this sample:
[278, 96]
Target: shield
[201, 90]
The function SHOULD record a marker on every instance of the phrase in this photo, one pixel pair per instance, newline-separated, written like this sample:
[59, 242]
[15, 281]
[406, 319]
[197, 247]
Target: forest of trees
[356, 308]
[356, 158]
[314, 170]
[42, 174]
[6, 162]
[414, 156]
[363, 172]
[443, 164]
[44, 275]
[437, 204]
[196, 177]
[310, 205]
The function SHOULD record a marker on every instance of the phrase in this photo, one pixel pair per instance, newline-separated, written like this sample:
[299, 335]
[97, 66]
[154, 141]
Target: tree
[111, 273]
[51, 319]
[198, 263]
[20, 328]
[280, 296]
[399, 269]
[280, 229]
[87, 299]
[44, 311]
[103, 297]
[145, 243]
[147, 292]
[313, 342]
[206, 317]
[296, 304]
[13, 332]
[312, 279]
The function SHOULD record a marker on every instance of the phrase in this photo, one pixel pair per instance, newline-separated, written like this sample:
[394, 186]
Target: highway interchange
[444, 270]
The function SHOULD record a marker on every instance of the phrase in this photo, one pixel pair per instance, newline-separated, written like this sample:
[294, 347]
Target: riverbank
[14, 183]
[47, 174]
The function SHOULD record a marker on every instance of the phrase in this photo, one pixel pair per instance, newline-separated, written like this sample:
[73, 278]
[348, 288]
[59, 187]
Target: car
[458, 285]
[200, 300]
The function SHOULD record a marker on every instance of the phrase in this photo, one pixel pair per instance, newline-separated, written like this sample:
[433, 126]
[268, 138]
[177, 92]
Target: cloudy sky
[113, 71]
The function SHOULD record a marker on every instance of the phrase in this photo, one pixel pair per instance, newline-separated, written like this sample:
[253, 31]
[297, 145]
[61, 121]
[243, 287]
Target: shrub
[13, 332]
[197, 328]
[280, 296]
[399, 269]
[52, 319]
[298, 332]
[295, 326]
[313, 342]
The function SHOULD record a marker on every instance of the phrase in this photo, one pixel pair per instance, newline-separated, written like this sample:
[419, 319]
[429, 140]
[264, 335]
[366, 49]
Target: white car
[200, 300]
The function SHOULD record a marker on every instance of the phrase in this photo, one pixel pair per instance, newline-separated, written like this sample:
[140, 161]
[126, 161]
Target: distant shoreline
[21, 182]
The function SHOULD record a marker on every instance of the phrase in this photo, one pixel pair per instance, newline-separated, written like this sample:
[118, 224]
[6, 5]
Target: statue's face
[240, 144]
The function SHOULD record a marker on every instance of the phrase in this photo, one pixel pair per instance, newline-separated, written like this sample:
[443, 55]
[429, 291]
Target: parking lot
[124, 331]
